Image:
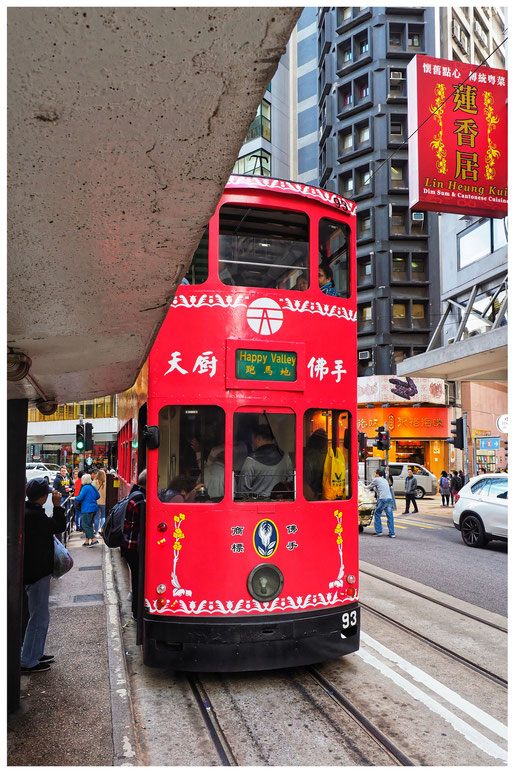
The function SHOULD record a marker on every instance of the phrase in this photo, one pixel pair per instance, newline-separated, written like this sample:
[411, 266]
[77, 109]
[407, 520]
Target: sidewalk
[78, 712]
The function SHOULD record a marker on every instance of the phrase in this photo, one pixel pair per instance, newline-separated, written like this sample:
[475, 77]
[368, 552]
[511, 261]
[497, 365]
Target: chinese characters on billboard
[458, 157]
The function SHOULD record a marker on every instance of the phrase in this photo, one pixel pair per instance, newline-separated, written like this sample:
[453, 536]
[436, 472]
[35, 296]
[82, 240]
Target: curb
[125, 745]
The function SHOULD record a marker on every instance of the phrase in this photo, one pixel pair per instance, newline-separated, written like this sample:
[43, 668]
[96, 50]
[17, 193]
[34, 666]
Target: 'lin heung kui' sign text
[458, 159]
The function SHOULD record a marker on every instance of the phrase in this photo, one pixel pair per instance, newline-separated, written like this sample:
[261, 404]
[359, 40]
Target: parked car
[481, 510]
[41, 470]
[426, 481]
[366, 505]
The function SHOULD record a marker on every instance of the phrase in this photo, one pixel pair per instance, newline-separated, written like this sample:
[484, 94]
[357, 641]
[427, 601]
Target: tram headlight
[351, 579]
[265, 582]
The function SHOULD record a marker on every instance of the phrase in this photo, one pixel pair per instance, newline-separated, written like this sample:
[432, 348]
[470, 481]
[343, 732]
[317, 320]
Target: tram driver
[265, 467]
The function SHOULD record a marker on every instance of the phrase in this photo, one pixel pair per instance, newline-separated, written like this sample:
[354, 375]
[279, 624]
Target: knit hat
[36, 488]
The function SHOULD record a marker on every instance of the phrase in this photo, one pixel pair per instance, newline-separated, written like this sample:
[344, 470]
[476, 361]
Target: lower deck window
[326, 464]
[191, 463]
[264, 455]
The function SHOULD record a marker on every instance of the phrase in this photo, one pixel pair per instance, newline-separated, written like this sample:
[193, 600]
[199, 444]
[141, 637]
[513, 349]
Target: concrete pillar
[16, 451]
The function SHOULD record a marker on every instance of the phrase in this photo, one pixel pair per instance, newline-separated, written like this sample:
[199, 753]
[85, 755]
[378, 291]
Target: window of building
[418, 314]
[364, 225]
[264, 455]
[400, 313]
[398, 220]
[324, 427]
[262, 247]
[474, 243]
[363, 46]
[198, 270]
[398, 82]
[398, 174]
[363, 91]
[396, 37]
[344, 14]
[346, 184]
[364, 270]
[260, 126]
[500, 232]
[399, 267]
[397, 128]
[334, 252]
[363, 131]
[415, 37]
[418, 268]
[363, 177]
[254, 163]
[347, 96]
[399, 355]
[365, 317]
[347, 54]
[345, 142]
[191, 453]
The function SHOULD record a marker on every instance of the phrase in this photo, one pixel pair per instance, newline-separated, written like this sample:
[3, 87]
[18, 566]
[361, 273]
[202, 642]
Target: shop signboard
[392, 389]
[502, 423]
[407, 422]
[458, 137]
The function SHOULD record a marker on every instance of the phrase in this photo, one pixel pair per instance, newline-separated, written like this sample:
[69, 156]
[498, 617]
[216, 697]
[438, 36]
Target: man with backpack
[131, 528]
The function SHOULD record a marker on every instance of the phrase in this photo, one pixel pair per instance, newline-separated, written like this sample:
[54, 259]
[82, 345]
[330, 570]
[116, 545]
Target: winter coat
[263, 469]
[38, 544]
[87, 498]
[410, 484]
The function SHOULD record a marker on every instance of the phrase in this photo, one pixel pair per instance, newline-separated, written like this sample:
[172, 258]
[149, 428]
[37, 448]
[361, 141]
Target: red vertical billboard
[458, 158]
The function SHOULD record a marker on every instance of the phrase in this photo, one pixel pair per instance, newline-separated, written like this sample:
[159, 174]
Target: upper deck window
[333, 274]
[264, 248]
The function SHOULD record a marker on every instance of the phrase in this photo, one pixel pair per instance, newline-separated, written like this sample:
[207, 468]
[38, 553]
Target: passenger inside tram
[267, 472]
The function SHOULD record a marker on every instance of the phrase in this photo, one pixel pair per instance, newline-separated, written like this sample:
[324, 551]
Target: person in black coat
[38, 565]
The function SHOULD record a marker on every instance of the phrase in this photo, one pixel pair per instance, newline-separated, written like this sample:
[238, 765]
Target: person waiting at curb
[38, 565]
[131, 529]
[87, 500]
[410, 487]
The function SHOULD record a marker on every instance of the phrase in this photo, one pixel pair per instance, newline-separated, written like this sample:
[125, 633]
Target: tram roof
[124, 125]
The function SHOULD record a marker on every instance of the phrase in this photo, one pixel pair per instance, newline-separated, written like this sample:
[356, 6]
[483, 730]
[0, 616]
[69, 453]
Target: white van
[426, 481]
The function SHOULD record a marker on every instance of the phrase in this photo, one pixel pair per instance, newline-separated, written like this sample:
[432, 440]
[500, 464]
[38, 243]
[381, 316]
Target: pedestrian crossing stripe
[410, 523]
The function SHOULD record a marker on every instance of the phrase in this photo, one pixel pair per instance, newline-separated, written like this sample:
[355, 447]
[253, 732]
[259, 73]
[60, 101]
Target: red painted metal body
[205, 577]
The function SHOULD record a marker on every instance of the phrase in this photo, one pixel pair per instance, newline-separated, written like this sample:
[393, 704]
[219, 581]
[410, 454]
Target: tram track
[372, 730]
[439, 647]
[208, 713]
[435, 601]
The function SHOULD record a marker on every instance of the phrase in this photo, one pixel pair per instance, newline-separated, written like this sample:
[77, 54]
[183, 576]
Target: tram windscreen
[264, 248]
[264, 456]
[191, 463]
[327, 447]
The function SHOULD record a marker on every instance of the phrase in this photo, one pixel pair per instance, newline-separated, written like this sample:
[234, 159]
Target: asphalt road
[438, 557]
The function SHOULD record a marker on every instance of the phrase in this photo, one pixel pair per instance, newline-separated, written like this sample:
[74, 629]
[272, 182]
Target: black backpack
[112, 530]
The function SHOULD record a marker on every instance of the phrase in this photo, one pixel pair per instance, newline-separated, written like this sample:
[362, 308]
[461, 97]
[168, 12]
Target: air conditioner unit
[456, 31]
[396, 75]
[418, 217]
[364, 355]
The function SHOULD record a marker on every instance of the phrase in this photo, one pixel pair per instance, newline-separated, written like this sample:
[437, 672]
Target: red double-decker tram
[250, 546]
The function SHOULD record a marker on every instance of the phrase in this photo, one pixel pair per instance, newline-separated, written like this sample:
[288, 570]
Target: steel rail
[360, 718]
[444, 650]
[435, 601]
[208, 713]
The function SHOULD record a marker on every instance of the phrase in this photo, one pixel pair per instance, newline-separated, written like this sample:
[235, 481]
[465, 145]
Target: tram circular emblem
[266, 538]
[264, 316]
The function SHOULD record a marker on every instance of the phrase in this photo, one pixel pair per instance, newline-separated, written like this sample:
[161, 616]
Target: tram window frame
[283, 221]
[185, 459]
[271, 430]
[339, 260]
[316, 439]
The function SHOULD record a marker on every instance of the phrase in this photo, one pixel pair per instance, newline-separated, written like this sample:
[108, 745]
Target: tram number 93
[349, 623]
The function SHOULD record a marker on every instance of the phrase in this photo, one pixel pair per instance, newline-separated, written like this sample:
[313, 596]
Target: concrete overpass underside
[123, 127]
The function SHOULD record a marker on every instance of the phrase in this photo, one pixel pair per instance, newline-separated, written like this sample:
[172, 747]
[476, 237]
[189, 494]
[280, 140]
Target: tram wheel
[472, 532]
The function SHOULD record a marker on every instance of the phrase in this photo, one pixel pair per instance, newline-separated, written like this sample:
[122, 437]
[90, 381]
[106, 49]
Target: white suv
[41, 470]
[481, 511]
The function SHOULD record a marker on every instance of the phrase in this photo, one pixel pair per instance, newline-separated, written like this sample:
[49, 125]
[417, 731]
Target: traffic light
[458, 435]
[79, 438]
[362, 443]
[382, 439]
[88, 440]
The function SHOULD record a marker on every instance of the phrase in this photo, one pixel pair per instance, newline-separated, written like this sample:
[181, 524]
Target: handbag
[333, 479]
[63, 561]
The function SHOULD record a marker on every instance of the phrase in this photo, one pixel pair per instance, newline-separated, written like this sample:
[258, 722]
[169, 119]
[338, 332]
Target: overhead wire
[432, 113]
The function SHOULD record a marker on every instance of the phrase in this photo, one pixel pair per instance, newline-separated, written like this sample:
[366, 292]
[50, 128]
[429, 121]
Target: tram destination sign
[260, 365]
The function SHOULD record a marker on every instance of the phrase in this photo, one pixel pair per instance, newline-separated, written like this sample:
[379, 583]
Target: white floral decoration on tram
[232, 301]
[249, 606]
[338, 583]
